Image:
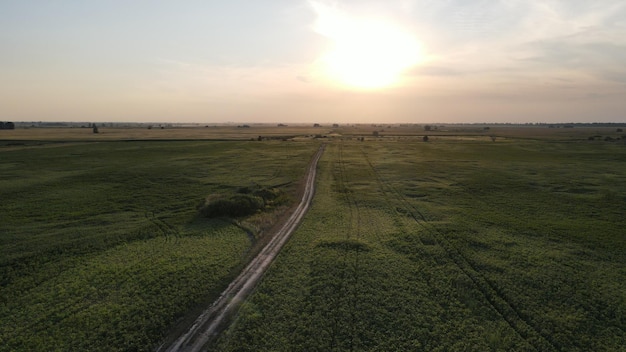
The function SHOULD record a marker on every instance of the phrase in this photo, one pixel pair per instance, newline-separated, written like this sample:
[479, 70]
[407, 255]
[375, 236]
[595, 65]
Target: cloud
[435, 70]
[596, 51]
[183, 81]
[524, 43]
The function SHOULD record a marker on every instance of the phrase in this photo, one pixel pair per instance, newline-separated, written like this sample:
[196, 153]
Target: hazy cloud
[497, 59]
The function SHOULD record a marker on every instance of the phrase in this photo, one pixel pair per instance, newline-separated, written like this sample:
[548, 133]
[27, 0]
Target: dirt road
[207, 324]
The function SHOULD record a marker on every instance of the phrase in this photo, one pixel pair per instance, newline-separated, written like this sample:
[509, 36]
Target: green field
[101, 245]
[451, 246]
[457, 244]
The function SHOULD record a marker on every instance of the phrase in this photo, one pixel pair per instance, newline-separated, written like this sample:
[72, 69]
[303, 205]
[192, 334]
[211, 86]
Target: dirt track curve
[206, 325]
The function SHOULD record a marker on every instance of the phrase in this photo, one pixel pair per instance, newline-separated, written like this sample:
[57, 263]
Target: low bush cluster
[247, 201]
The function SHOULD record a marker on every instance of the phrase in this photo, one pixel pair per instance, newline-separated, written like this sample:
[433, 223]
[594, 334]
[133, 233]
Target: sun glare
[366, 53]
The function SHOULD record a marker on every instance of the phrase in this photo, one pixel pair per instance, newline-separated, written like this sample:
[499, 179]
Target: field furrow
[492, 294]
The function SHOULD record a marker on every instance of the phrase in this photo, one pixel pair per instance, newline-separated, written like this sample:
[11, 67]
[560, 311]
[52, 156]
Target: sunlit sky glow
[313, 61]
[366, 53]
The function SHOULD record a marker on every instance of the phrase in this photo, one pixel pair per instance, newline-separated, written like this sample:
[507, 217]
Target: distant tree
[425, 139]
[1, 125]
[260, 138]
[9, 125]
[316, 125]
[95, 128]
[493, 137]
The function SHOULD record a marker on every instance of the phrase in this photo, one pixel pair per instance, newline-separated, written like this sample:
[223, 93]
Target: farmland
[452, 245]
[102, 247]
[465, 242]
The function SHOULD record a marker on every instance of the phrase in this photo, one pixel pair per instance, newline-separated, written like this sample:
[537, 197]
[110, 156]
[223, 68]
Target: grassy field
[219, 132]
[453, 245]
[37, 135]
[461, 243]
[101, 245]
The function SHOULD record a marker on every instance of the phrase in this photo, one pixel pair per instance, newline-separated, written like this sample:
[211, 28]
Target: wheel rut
[506, 308]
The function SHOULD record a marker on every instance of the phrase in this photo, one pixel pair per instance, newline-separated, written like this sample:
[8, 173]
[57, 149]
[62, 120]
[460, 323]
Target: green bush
[247, 201]
[236, 206]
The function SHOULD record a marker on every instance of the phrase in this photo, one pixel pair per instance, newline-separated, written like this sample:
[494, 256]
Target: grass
[101, 245]
[35, 135]
[451, 245]
[460, 243]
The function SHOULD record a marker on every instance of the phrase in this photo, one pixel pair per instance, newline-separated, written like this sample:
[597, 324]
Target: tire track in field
[354, 226]
[164, 228]
[337, 302]
[518, 321]
[341, 295]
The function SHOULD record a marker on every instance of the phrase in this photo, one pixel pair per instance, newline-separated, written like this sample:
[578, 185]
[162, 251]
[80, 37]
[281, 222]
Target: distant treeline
[7, 125]
[541, 124]
[581, 124]
[432, 125]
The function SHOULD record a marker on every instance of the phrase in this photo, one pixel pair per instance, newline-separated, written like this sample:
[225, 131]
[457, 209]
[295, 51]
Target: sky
[292, 61]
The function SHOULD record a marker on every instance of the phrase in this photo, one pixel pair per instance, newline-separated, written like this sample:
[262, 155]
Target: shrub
[247, 201]
[236, 206]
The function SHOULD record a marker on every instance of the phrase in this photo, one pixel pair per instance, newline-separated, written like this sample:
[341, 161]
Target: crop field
[105, 133]
[101, 245]
[451, 245]
[501, 240]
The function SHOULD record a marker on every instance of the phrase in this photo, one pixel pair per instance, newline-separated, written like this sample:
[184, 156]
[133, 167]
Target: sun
[365, 53]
